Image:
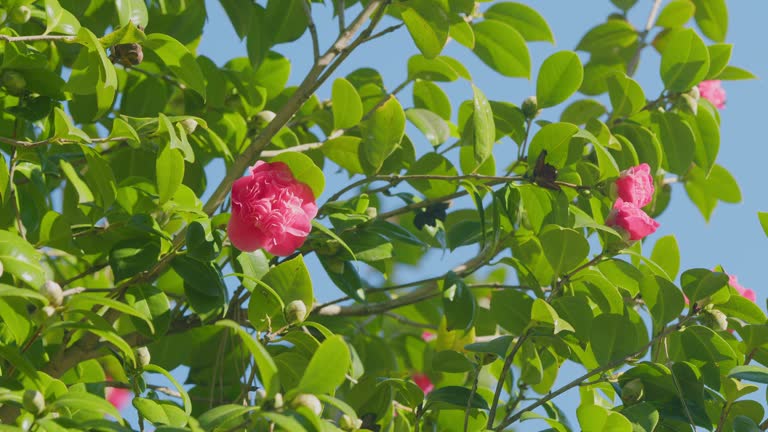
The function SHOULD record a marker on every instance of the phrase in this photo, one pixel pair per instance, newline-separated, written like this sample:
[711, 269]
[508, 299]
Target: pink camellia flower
[117, 396]
[713, 92]
[745, 292]
[631, 219]
[428, 336]
[271, 210]
[423, 381]
[635, 185]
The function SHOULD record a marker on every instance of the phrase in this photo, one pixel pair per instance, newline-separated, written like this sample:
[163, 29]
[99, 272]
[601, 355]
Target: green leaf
[598, 419]
[434, 128]
[82, 401]
[382, 132]
[582, 111]
[268, 375]
[676, 14]
[664, 300]
[498, 346]
[678, 141]
[84, 193]
[559, 77]
[92, 75]
[433, 163]
[178, 59]
[129, 257]
[153, 305]
[731, 73]
[20, 259]
[240, 13]
[345, 151]
[328, 367]
[511, 310]
[712, 18]
[706, 350]
[454, 397]
[347, 106]
[428, 25]
[758, 374]
[608, 36]
[291, 281]
[612, 338]
[169, 171]
[543, 313]
[524, 19]
[643, 416]
[450, 361]
[502, 48]
[87, 301]
[719, 56]
[12, 291]
[707, 133]
[484, 129]
[428, 95]
[564, 248]
[462, 32]
[304, 170]
[685, 61]
[459, 304]
[555, 138]
[627, 97]
[723, 185]
[763, 218]
[699, 284]
[59, 20]
[745, 424]
[624, 5]
[667, 255]
[285, 20]
[132, 11]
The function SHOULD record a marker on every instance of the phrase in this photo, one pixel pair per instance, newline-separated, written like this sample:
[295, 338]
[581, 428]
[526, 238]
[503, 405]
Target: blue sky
[733, 238]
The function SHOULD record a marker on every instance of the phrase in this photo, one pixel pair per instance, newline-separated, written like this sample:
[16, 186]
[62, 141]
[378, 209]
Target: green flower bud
[52, 291]
[33, 401]
[263, 118]
[530, 108]
[14, 82]
[279, 401]
[308, 400]
[21, 14]
[349, 424]
[142, 356]
[371, 212]
[295, 312]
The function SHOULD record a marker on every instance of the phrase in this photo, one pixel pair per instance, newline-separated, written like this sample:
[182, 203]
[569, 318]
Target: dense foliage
[114, 273]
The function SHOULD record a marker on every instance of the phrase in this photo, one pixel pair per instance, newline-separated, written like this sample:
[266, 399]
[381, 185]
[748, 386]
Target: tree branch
[502, 377]
[616, 363]
[34, 38]
[312, 30]
[32, 144]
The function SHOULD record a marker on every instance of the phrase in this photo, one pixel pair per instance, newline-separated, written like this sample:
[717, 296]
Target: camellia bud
[260, 395]
[695, 93]
[278, 401]
[348, 423]
[263, 118]
[371, 212]
[716, 320]
[49, 311]
[33, 401]
[309, 401]
[14, 82]
[21, 14]
[1, 268]
[189, 125]
[142, 356]
[295, 312]
[632, 392]
[52, 291]
[530, 107]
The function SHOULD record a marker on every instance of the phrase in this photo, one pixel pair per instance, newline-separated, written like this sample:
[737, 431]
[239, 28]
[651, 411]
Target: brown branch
[34, 38]
[312, 31]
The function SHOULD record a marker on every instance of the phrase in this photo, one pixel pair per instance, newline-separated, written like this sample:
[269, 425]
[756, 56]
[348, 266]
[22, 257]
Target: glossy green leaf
[382, 132]
[712, 18]
[266, 366]
[502, 48]
[627, 97]
[328, 367]
[455, 397]
[458, 303]
[178, 59]
[169, 169]
[763, 218]
[700, 284]
[434, 128]
[555, 138]
[678, 142]
[564, 248]
[285, 20]
[664, 300]
[735, 73]
[429, 96]
[347, 106]
[21, 260]
[428, 25]
[719, 56]
[607, 36]
[684, 61]
[433, 164]
[132, 11]
[59, 20]
[666, 254]
[612, 338]
[304, 170]
[676, 14]
[450, 361]
[483, 128]
[559, 77]
[529, 23]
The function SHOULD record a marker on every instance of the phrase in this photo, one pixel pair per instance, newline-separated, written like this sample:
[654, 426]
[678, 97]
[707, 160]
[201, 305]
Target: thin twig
[618, 362]
[476, 379]
[34, 38]
[31, 144]
[502, 377]
[295, 149]
[312, 31]
[387, 30]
